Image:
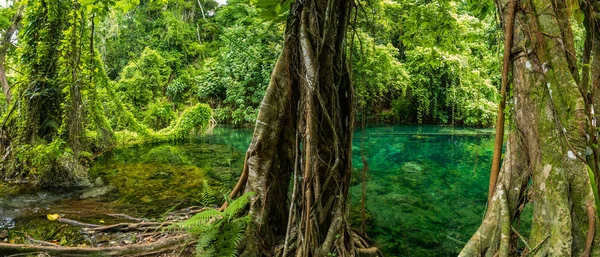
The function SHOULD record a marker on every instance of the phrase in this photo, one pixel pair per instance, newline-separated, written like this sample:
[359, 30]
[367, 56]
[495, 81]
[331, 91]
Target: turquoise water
[426, 185]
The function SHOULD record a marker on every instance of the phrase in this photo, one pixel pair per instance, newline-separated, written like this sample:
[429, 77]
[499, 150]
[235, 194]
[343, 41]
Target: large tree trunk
[4, 47]
[303, 136]
[546, 144]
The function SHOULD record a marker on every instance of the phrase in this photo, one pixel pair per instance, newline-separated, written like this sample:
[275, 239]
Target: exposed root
[505, 225]
[154, 239]
[363, 249]
[185, 213]
[159, 246]
[240, 184]
[77, 223]
[368, 252]
[124, 227]
[125, 216]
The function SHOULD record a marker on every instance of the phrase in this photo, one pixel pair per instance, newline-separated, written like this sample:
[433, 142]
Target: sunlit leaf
[52, 217]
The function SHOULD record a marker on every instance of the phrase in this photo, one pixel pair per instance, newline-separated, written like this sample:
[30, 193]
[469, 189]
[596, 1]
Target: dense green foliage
[429, 62]
[67, 107]
[425, 62]
[93, 72]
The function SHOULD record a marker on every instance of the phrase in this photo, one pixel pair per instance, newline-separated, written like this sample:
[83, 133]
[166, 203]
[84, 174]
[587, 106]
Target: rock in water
[97, 192]
[411, 174]
[99, 182]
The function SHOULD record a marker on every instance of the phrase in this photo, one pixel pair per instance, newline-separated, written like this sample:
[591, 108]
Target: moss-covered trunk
[545, 162]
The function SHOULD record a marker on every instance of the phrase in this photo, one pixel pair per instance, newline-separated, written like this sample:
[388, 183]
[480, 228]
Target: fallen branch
[125, 216]
[32, 240]
[159, 246]
[77, 223]
[123, 227]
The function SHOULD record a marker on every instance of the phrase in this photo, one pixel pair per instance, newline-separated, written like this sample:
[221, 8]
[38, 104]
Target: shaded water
[426, 186]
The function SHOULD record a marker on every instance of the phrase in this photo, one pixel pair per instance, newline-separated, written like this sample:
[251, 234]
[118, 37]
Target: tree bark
[547, 142]
[310, 96]
[4, 47]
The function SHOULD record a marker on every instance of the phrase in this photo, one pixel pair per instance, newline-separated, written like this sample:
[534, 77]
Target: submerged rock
[412, 167]
[97, 192]
[99, 182]
[411, 174]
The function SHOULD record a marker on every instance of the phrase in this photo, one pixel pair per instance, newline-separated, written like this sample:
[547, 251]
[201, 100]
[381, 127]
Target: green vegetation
[88, 76]
[118, 90]
[219, 232]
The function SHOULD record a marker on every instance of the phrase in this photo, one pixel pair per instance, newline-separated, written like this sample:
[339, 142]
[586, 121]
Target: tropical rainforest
[299, 128]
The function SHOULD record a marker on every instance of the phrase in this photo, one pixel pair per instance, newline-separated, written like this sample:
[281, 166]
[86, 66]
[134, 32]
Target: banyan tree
[299, 161]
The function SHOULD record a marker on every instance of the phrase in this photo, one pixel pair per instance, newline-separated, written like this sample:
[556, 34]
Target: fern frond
[219, 233]
[207, 198]
[208, 252]
[238, 205]
[206, 240]
[199, 223]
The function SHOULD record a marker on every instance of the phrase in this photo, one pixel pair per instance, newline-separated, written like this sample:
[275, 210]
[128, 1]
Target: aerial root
[591, 229]
[240, 184]
[505, 226]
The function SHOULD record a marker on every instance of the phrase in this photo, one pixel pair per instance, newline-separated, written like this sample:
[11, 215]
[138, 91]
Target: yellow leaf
[52, 217]
[101, 221]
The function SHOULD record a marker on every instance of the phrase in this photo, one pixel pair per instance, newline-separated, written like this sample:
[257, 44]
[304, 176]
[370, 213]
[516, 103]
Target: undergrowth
[219, 233]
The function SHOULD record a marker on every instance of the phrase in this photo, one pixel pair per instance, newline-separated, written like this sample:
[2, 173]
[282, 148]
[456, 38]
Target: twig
[521, 237]
[142, 226]
[456, 240]
[39, 242]
[538, 245]
[77, 223]
[125, 216]
[156, 247]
